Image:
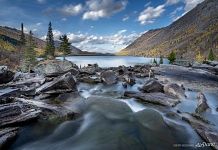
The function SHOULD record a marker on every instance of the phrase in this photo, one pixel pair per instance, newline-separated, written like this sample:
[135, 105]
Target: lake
[111, 61]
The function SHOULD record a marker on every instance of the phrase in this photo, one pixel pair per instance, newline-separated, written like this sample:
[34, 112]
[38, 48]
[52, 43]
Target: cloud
[97, 9]
[173, 14]
[172, 2]
[41, 1]
[149, 15]
[190, 4]
[72, 10]
[125, 18]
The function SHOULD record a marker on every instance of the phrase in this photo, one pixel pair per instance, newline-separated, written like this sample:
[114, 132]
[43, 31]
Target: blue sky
[94, 25]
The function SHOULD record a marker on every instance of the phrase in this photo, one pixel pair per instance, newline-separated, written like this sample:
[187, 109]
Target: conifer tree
[22, 36]
[211, 55]
[155, 62]
[172, 57]
[50, 47]
[29, 54]
[65, 45]
[161, 59]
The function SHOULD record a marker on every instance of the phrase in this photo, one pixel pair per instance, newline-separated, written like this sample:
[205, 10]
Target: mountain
[12, 35]
[196, 31]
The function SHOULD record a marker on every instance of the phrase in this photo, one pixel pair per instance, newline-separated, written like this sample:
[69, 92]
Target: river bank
[138, 107]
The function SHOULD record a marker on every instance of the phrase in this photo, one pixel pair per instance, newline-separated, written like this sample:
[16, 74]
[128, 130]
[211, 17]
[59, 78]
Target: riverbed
[111, 125]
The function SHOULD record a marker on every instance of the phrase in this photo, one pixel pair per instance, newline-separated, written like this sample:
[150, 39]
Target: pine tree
[21, 43]
[172, 57]
[211, 55]
[161, 59]
[65, 45]
[155, 62]
[29, 54]
[22, 36]
[50, 47]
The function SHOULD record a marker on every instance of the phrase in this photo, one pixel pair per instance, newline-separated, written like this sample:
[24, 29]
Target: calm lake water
[111, 61]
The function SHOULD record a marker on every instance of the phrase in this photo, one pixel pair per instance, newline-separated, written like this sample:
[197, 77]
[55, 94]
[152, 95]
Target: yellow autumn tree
[199, 58]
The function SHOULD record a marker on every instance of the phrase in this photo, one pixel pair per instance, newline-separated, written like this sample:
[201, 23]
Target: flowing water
[123, 124]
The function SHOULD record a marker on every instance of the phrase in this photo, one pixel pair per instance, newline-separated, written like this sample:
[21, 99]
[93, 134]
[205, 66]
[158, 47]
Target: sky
[105, 26]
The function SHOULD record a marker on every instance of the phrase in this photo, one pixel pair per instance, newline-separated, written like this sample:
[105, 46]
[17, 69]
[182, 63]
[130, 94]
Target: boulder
[91, 69]
[14, 114]
[62, 84]
[202, 105]
[153, 98]
[6, 93]
[56, 68]
[109, 77]
[207, 132]
[5, 75]
[129, 80]
[175, 90]
[90, 79]
[7, 135]
[152, 85]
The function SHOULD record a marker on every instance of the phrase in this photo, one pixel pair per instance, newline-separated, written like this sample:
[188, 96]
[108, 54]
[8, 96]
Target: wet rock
[7, 135]
[154, 98]
[217, 109]
[6, 93]
[90, 69]
[62, 84]
[109, 77]
[207, 132]
[14, 114]
[90, 79]
[125, 85]
[56, 68]
[202, 105]
[5, 75]
[129, 80]
[175, 90]
[152, 85]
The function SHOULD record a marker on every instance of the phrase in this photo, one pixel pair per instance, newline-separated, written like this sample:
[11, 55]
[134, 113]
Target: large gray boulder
[56, 68]
[109, 77]
[152, 85]
[15, 114]
[5, 75]
[175, 90]
[202, 105]
[62, 84]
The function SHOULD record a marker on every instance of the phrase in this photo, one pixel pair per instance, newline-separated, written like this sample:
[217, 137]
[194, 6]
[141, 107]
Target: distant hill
[195, 31]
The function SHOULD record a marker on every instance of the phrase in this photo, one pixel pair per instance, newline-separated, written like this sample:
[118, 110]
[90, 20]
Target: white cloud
[172, 2]
[174, 15]
[72, 10]
[125, 18]
[150, 14]
[96, 43]
[190, 4]
[103, 8]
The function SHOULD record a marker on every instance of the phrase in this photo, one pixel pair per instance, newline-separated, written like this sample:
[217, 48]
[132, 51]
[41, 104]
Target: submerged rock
[152, 85]
[5, 75]
[109, 77]
[175, 90]
[56, 68]
[202, 103]
[7, 135]
[62, 84]
[154, 98]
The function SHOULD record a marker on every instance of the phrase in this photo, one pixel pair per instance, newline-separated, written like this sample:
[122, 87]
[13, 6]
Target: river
[111, 125]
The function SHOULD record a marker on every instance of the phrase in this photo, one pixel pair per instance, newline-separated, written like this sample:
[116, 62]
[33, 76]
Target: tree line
[28, 45]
